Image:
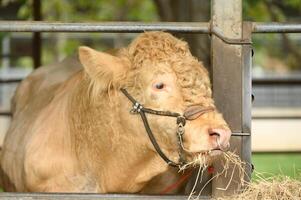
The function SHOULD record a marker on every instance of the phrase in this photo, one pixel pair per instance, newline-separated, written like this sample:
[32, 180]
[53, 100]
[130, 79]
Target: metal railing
[120, 27]
[135, 27]
[276, 81]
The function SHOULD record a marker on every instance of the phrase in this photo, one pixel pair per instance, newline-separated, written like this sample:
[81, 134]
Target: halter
[191, 113]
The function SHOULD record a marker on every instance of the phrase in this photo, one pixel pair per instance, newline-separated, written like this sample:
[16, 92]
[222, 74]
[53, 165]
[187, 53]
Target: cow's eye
[159, 86]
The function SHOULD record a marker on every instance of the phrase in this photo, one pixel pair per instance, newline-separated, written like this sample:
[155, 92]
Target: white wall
[276, 134]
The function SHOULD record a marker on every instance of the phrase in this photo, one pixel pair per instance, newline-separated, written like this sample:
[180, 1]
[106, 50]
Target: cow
[112, 123]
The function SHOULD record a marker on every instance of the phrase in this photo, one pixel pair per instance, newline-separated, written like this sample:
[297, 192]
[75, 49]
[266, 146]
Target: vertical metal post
[36, 39]
[231, 79]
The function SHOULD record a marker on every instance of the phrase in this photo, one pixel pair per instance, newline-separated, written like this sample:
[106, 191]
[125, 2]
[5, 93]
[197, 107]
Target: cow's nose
[220, 137]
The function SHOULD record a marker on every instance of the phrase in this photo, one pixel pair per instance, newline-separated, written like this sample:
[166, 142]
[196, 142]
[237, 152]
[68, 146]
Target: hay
[229, 159]
[277, 187]
[200, 160]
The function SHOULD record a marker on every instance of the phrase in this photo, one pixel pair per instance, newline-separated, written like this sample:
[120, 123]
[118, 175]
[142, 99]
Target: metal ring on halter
[220, 146]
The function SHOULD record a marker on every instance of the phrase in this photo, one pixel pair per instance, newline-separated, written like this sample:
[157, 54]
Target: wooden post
[231, 79]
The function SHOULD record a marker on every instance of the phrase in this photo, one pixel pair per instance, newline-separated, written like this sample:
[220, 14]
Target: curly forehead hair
[161, 47]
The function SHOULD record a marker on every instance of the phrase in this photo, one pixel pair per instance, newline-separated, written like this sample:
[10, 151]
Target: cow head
[159, 71]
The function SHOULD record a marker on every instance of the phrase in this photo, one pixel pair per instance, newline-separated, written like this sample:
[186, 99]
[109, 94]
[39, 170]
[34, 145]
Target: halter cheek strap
[181, 121]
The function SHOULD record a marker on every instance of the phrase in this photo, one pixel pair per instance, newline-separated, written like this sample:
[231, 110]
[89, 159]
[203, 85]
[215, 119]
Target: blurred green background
[271, 164]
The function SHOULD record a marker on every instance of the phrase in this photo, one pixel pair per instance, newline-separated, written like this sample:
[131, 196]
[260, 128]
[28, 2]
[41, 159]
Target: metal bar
[9, 81]
[36, 38]
[266, 81]
[231, 79]
[241, 134]
[276, 81]
[122, 27]
[83, 196]
[247, 98]
[274, 27]
[217, 32]
[5, 114]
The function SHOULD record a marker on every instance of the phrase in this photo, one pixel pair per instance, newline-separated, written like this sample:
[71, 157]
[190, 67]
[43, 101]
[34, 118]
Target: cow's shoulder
[42, 83]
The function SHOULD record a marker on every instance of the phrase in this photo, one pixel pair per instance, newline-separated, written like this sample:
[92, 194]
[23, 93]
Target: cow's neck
[109, 146]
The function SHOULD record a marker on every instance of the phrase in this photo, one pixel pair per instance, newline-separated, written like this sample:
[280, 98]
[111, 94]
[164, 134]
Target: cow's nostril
[220, 137]
[214, 134]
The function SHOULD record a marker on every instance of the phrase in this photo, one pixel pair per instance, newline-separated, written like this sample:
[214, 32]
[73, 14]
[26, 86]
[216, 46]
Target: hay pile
[278, 187]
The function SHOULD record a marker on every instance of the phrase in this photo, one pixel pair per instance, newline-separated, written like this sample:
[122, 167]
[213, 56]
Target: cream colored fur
[72, 131]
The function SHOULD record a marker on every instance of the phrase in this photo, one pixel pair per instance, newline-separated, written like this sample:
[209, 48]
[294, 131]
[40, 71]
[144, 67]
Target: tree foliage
[97, 10]
[285, 50]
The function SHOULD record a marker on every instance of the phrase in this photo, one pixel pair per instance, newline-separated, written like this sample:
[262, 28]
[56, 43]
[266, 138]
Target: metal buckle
[180, 130]
[180, 133]
[137, 107]
[181, 120]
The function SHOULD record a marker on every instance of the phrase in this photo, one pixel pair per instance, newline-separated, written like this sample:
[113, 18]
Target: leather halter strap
[192, 113]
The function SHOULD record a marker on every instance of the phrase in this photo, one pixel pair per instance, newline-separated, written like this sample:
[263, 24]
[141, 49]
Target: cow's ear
[101, 67]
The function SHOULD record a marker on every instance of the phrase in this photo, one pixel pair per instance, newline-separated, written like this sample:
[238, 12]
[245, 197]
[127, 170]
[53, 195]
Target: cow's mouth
[202, 158]
[213, 152]
[210, 152]
[206, 154]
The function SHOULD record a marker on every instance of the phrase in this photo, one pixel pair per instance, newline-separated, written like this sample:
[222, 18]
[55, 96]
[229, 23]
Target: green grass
[287, 164]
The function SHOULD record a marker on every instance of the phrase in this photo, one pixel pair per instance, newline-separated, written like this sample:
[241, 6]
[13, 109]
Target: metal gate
[231, 75]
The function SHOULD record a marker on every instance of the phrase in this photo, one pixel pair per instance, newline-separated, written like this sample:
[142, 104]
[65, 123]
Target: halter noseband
[192, 113]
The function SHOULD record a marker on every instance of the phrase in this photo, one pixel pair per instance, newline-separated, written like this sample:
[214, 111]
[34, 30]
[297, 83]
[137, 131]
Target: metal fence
[277, 92]
[231, 74]
[136, 27]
